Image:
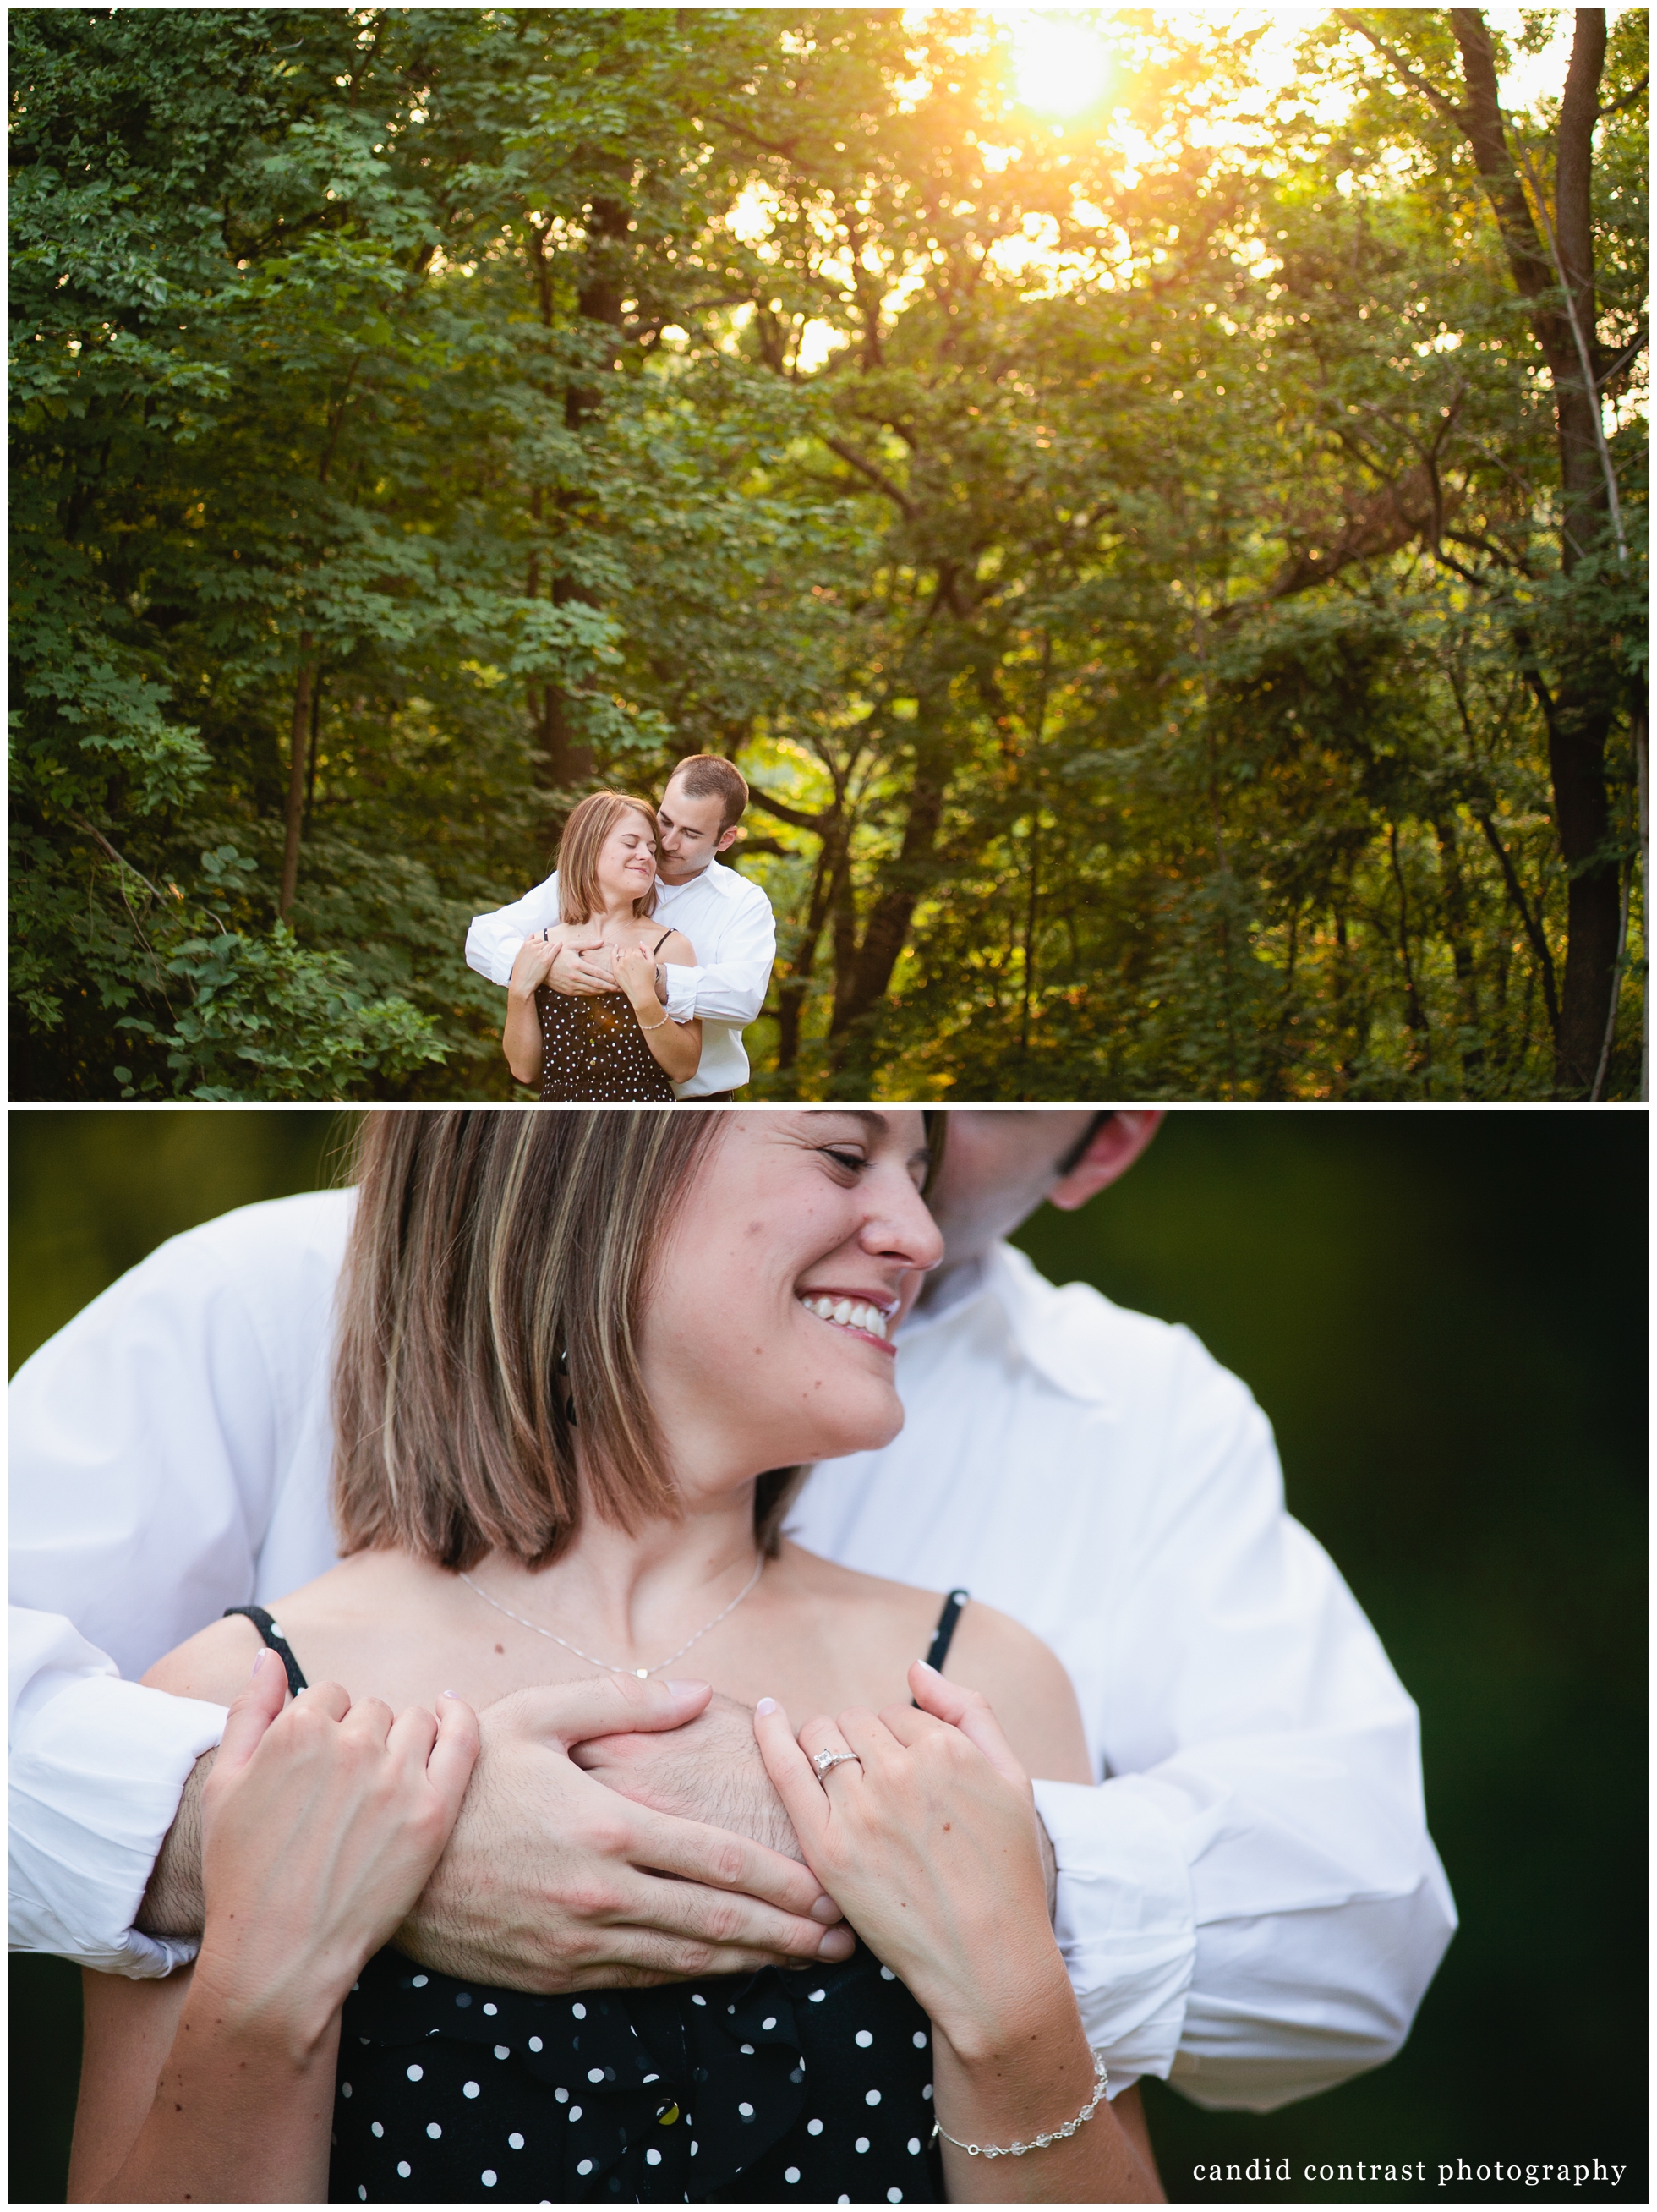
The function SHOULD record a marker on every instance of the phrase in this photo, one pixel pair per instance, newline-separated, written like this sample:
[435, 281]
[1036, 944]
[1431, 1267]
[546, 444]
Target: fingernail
[256, 1664]
[766, 1705]
[684, 1689]
[828, 1912]
[451, 1693]
[836, 1944]
[927, 1668]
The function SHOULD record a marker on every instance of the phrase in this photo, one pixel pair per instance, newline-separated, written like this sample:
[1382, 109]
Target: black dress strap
[277, 1641]
[660, 941]
[944, 1633]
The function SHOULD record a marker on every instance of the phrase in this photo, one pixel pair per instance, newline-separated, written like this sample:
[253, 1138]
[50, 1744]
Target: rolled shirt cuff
[681, 991]
[97, 1770]
[1125, 1921]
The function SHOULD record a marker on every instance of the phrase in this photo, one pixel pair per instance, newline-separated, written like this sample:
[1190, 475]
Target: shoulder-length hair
[589, 825]
[487, 1385]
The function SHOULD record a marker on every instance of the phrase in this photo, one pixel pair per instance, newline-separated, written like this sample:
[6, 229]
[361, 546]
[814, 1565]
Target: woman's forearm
[520, 1040]
[1030, 2074]
[242, 2112]
[676, 1046]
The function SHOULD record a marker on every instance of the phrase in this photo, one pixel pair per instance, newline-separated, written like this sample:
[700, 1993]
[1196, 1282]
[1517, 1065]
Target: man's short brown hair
[707, 776]
[590, 824]
[487, 1385]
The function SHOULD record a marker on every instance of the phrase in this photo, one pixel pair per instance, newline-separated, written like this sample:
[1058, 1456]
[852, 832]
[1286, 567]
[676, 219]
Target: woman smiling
[618, 1044]
[582, 1359]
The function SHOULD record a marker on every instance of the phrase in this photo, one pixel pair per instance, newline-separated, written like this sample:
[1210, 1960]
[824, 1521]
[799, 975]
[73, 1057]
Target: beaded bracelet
[1101, 2082]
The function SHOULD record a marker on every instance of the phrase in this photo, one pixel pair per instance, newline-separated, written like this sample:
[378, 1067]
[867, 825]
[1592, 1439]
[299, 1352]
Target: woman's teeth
[847, 1313]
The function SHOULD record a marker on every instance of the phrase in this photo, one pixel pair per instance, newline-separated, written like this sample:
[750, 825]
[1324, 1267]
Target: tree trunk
[1584, 698]
[298, 750]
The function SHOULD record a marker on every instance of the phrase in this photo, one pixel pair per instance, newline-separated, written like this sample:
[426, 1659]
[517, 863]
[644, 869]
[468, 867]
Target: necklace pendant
[643, 1674]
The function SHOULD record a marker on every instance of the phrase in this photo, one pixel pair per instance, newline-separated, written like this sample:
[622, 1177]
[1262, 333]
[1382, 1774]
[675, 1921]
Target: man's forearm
[173, 1897]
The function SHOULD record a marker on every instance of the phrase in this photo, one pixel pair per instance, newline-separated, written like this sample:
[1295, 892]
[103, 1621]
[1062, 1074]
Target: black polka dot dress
[593, 1049]
[814, 2086]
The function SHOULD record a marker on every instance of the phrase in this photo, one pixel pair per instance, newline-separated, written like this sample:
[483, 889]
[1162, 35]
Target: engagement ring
[825, 1760]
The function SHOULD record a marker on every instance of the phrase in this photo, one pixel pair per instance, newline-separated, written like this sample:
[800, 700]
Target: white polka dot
[747, 2052]
[488, 2177]
[843, 2200]
[694, 2149]
[585, 2166]
[362, 2194]
[746, 2112]
[516, 2142]
[697, 2000]
[919, 2040]
[873, 2097]
[503, 2050]
[769, 2024]
[595, 2073]
[927, 2091]
[491, 2010]
[405, 2168]
[376, 2130]
[894, 2196]
[420, 1981]
[813, 2127]
[562, 2095]
[576, 2111]
[863, 2038]
[653, 2158]
[887, 1975]
[649, 2077]
[470, 2089]
[416, 2073]
[791, 2175]
[344, 2088]
[861, 2144]
[914, 2146]
[535, 2043]
[818, 1995]
[578, 2012]
[433, 2130]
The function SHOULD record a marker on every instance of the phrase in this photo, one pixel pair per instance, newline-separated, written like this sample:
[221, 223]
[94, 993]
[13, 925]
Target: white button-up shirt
[731, 930]
[1250, 1901]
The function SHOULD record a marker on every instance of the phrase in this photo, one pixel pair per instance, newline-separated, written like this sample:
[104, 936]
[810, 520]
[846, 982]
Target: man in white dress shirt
[728, 920]
[1249, 1902]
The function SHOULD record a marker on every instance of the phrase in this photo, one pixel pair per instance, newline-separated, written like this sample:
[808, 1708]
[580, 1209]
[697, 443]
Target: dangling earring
[563, 1371]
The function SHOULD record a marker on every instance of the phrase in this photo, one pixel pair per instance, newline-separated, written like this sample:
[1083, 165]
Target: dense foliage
[1157, 571]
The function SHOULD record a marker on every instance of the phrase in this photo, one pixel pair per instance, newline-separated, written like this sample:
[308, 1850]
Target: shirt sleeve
[147, 1441]
[97, 1766]
[492, 939]
[731, 989]
[1250, 1904]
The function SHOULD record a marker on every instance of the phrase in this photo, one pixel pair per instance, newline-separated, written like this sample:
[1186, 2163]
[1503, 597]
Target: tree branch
[1445, 106]
[876, 476]
[1616, 107]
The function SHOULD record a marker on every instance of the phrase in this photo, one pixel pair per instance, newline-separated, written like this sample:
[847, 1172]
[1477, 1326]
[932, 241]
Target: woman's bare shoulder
[214, 1664]
[675, 950]
[1025, 1681]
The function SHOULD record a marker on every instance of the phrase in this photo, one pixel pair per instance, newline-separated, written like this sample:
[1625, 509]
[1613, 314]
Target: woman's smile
[856, 1313]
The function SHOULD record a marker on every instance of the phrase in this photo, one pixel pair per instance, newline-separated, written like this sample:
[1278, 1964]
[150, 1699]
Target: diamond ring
[825, 1760]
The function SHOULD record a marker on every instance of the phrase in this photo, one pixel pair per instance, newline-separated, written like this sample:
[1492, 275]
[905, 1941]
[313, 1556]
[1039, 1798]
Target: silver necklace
[643, 1674]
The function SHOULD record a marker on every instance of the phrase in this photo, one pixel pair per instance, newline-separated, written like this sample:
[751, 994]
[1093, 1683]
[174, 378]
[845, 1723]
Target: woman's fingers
[867, 1737]
[331, 1697]
[454, 1752]
[968, 1711]
[791, 1775]
[251, 1713]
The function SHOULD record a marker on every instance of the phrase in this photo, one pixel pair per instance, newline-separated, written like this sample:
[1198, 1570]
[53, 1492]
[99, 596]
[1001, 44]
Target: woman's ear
[1113, 1152]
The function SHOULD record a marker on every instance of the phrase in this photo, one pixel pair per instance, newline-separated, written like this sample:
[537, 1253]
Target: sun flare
[1061, 64]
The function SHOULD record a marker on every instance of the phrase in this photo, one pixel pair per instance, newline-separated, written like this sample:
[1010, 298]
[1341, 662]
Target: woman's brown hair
[589, 825]
[487, 1386]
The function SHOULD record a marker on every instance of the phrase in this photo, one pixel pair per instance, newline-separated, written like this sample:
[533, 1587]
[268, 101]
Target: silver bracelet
[648, 1029]
[1101, 2082]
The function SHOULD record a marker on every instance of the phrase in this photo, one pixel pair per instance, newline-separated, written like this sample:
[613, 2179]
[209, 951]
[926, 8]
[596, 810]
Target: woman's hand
[520, 1035]
[321, 1825]
[930, 1846]
[928, 1842]
[635, 971]
[532, 963]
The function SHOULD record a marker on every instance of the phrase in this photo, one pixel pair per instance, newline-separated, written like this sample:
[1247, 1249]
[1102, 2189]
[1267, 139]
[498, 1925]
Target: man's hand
[552, 1882]
[710, 1770]
[583, 971]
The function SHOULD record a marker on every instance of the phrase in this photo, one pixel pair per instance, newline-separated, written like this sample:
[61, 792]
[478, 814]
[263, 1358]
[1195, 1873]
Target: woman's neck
[629, 1599]
[612, 912]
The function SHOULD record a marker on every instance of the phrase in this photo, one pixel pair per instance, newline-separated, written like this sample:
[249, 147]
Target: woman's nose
[902, 1229]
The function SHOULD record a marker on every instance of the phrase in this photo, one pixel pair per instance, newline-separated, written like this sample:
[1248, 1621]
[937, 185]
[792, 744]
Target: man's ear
[1111, 1153]
[729, 836]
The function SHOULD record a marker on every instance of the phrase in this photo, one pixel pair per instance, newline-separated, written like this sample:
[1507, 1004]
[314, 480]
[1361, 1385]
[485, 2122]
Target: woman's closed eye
[851, 1163]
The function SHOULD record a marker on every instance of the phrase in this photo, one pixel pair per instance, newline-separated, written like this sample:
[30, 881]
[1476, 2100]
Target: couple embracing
[512, 1441]
[632, 972]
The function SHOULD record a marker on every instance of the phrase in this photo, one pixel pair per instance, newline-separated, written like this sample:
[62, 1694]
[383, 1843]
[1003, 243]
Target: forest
[1153, 503]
